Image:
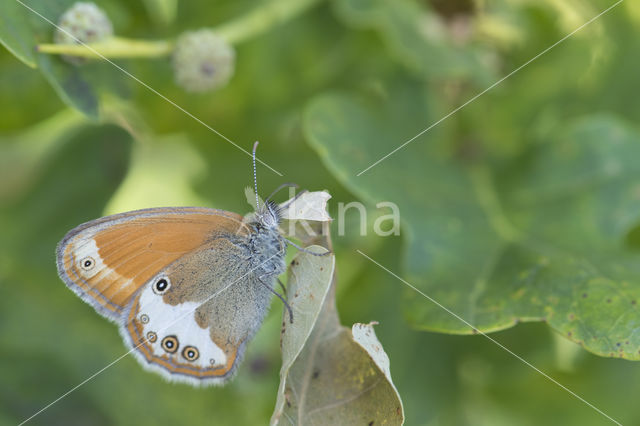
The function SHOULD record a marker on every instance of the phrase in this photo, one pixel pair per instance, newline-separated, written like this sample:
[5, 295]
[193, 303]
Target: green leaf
[21, 29]
[417, 38]
[15, 33]
[70, 85]
[540, 238]
[330, 374]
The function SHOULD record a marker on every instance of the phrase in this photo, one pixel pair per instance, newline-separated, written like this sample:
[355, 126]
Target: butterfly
[187, 286]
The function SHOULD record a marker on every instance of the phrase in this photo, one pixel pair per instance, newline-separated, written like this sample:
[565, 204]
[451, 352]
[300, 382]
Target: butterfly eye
[161, 286]
[87, 263]
[170, 344]
[190, 353]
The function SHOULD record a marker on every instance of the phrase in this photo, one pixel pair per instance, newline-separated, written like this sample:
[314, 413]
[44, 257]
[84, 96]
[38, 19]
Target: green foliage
[539, 239]
[163, 12]
[418, 39]
[520, 207]
[68, 82]
[15, 33]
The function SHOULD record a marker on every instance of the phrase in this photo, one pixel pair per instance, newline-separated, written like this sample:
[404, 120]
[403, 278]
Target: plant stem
[115, 47]
[262, 18]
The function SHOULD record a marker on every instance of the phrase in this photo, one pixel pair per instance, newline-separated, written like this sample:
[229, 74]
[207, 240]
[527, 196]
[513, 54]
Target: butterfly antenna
[255, 175]
[284, 185]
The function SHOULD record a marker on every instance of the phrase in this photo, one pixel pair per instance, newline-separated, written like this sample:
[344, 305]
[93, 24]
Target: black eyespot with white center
[144, 318]
[152, 337]
[87, 263]
[190, 353]
[170, 344]
[161, 286]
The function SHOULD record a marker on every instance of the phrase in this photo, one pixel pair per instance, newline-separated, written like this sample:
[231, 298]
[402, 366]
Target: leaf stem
[262, 18]
[252, 24]
[114, 47]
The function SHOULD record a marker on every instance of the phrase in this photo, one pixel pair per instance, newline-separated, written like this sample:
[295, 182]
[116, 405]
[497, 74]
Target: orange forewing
[135, 246]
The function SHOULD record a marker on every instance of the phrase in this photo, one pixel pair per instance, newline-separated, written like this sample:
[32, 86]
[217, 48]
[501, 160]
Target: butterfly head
[268, 215]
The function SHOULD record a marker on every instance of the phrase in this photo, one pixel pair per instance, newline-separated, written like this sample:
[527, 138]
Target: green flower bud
[202, 61]
[82, 23]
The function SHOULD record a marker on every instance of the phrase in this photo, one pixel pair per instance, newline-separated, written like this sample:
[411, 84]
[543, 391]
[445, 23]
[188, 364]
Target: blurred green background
[327, 93]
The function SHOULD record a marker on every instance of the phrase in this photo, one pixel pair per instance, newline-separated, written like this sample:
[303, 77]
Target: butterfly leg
[284, 290]
[279, 297]
[304, 250]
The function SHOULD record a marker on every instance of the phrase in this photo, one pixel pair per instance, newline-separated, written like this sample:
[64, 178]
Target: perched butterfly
[188, 286]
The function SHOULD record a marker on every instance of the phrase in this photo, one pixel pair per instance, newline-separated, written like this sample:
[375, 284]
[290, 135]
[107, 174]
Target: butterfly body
[188, 287]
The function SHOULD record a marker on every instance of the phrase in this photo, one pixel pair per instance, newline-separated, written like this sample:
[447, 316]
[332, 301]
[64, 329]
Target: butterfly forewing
[107, 260]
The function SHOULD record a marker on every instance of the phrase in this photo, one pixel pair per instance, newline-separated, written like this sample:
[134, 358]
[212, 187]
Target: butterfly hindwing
[192, 321]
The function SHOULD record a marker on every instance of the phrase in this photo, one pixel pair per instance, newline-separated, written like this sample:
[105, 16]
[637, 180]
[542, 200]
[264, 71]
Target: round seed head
[82, 23]
[202, 61]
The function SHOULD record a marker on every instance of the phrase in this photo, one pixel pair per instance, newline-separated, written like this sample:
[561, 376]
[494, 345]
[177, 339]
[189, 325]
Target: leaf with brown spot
[332, 374]
[305, 279]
